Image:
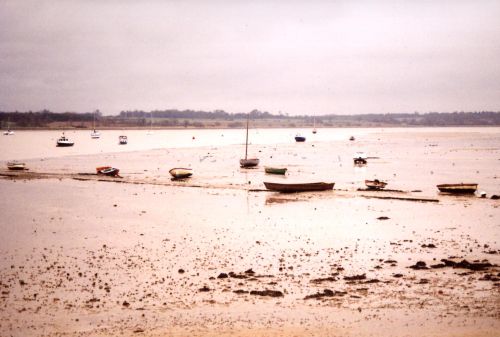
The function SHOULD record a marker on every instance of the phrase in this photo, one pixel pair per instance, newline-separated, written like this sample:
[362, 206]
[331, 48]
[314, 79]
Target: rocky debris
[397, 275]
[495, 197]
[240, 291]
[430, 245]
[371, 281]
[204, 289]
[491, 252]
[383, 218]
[437, 266]
[222, 275]
[325, 293]
[126, 304]
[239, 276]
[467, 265]
[324, 279]
[138, 330]
[181, 271]
[270, 293]
[391, 261]
[249, 271]
[419, 266]
[355, 277]
[423, 281]
[490, 277]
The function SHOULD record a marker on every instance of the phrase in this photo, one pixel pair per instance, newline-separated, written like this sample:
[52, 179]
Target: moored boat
[375, 184]
[299, 138]
[107, 171]
[248, 162]
[8, 133]
[275, 170]
[95, 134]
[14, 165]
[181, 172]
[461, 188]
[122, 140]
[360, 158]
[300, 187]
[63, 141]
[352, 138]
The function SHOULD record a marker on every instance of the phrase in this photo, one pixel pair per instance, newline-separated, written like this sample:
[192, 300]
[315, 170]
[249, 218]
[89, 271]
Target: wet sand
[213, 256]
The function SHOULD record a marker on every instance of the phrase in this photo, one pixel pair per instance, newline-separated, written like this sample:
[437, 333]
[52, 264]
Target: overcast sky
[297, 57]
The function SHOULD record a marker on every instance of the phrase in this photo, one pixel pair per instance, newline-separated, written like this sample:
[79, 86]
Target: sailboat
[314, 126]
[94, 134]
[150, 132]
[248, 162]
[9, 132]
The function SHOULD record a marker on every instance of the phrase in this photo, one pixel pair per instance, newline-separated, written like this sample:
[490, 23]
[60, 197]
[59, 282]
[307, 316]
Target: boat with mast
[94, 134]
[248, 162]
[314, 125]
[8, 132]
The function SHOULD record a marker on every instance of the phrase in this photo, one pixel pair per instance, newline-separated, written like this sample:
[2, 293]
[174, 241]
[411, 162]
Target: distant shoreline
[72, 128]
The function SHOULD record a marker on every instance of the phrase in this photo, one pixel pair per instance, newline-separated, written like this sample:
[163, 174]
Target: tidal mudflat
[216, 255]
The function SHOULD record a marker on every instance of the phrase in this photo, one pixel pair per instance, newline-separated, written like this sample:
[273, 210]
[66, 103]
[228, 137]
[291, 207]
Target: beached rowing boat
[107, 171]
[458, 188]
[275, 170]
[181, 172]
[16, 166]
[303, 187]
[375, 184]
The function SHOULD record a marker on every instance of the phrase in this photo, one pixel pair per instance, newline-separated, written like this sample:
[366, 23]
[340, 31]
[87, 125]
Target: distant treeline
[220, 118]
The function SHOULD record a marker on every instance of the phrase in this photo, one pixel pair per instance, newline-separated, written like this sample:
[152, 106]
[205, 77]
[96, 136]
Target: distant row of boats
[64, 141]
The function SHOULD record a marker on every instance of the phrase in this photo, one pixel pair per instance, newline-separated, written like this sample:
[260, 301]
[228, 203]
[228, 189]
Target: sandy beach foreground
[217, 256]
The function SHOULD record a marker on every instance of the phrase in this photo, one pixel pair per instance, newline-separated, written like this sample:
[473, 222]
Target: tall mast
[246, 142]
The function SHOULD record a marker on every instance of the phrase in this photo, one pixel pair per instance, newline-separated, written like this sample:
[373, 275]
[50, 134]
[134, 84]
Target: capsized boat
[248, 162]
[122, 140]
[375, 184]
[107, 171]
[462, 188]
[181, 172]
[14, 165]
[63, 141]
[299, 138]
[275, 170]
[301, 187]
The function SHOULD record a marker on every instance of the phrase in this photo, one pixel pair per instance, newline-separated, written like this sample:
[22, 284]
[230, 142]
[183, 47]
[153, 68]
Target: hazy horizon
[340, 57]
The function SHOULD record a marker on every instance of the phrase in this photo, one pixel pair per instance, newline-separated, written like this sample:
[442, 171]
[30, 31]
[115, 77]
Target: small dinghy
[375, 184]
[304, 187]
[181, 172]
[64, 141]
[458, 188]
[16, 166]
[275, 170]
[107, 171]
